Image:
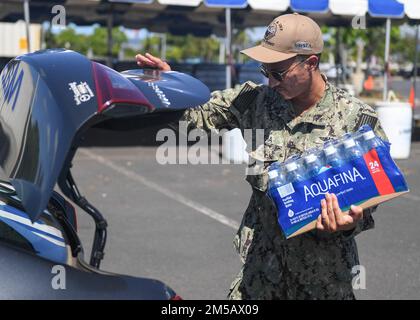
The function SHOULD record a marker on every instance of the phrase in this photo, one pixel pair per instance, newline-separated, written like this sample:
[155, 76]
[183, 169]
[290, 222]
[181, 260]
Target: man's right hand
[150, 61]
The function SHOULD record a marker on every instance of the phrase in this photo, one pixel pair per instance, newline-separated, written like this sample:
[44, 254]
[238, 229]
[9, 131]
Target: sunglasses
[278, 75]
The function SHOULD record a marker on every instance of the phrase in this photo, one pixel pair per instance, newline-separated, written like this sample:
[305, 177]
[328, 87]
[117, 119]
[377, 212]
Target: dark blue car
[49, 100]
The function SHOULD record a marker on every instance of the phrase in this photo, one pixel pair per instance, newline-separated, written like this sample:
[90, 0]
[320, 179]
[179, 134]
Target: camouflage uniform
[316, 264]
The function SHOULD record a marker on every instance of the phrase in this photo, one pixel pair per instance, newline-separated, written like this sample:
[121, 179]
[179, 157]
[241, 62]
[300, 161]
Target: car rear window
[10, 236]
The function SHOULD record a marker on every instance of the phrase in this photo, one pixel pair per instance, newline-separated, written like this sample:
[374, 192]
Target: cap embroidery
[271, 32]
[303, 45]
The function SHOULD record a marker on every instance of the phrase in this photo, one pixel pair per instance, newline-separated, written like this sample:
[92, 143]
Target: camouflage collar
[320, 114]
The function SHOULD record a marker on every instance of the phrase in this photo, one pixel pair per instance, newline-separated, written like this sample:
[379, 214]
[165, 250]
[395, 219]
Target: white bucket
[396, 120]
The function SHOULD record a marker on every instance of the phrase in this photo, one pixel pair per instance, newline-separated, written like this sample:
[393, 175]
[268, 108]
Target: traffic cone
[412, 98]
[368, 85]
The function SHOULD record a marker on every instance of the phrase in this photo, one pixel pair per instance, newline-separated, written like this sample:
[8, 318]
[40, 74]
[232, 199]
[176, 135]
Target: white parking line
[152, 185]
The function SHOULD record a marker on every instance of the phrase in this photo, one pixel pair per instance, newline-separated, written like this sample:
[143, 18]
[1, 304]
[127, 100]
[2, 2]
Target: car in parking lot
[49, 100]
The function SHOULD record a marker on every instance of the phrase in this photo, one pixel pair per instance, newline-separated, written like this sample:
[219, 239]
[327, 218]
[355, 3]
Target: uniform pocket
[316, 261]
[258, 182]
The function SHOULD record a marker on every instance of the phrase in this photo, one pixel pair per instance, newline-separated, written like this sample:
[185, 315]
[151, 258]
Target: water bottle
[275, 178]
[275, 175]
[351, 148]
[369, 139]
[332, 156]
[293, 172]
[313, 165]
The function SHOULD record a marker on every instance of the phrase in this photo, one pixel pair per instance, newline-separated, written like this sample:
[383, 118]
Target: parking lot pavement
[390, 252]
[176, 223]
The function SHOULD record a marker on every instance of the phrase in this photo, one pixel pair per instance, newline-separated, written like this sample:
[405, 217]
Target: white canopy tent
[211, 16]
[389, 9]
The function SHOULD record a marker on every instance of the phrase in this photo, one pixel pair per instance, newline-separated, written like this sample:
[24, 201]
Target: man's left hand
[332, 219]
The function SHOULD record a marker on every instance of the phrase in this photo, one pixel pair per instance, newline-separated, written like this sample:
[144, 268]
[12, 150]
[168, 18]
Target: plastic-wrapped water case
[358, 168]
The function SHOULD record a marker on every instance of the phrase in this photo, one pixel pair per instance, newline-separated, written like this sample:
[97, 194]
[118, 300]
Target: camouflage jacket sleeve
[360, 114]
[223, 110]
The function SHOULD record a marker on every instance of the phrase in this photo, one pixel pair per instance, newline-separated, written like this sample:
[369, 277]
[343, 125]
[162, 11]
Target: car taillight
[116, 95]
[176, 297]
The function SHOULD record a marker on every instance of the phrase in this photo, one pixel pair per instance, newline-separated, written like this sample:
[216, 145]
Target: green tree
[181, 48]
[240, 41]
[99, 39]
[69, 39]
[152, 45]
[401, 47]
[189, 47]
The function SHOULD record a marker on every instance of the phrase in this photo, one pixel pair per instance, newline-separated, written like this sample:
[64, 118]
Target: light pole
[27, 24]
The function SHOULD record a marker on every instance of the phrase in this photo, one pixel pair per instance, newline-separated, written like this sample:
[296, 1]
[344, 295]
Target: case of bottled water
[357, 168]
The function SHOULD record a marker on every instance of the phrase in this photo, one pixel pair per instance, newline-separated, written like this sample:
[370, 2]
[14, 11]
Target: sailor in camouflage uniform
[298, 109]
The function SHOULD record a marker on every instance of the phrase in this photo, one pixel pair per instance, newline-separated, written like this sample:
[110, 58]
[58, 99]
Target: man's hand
[148, 60]
[332, 219]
